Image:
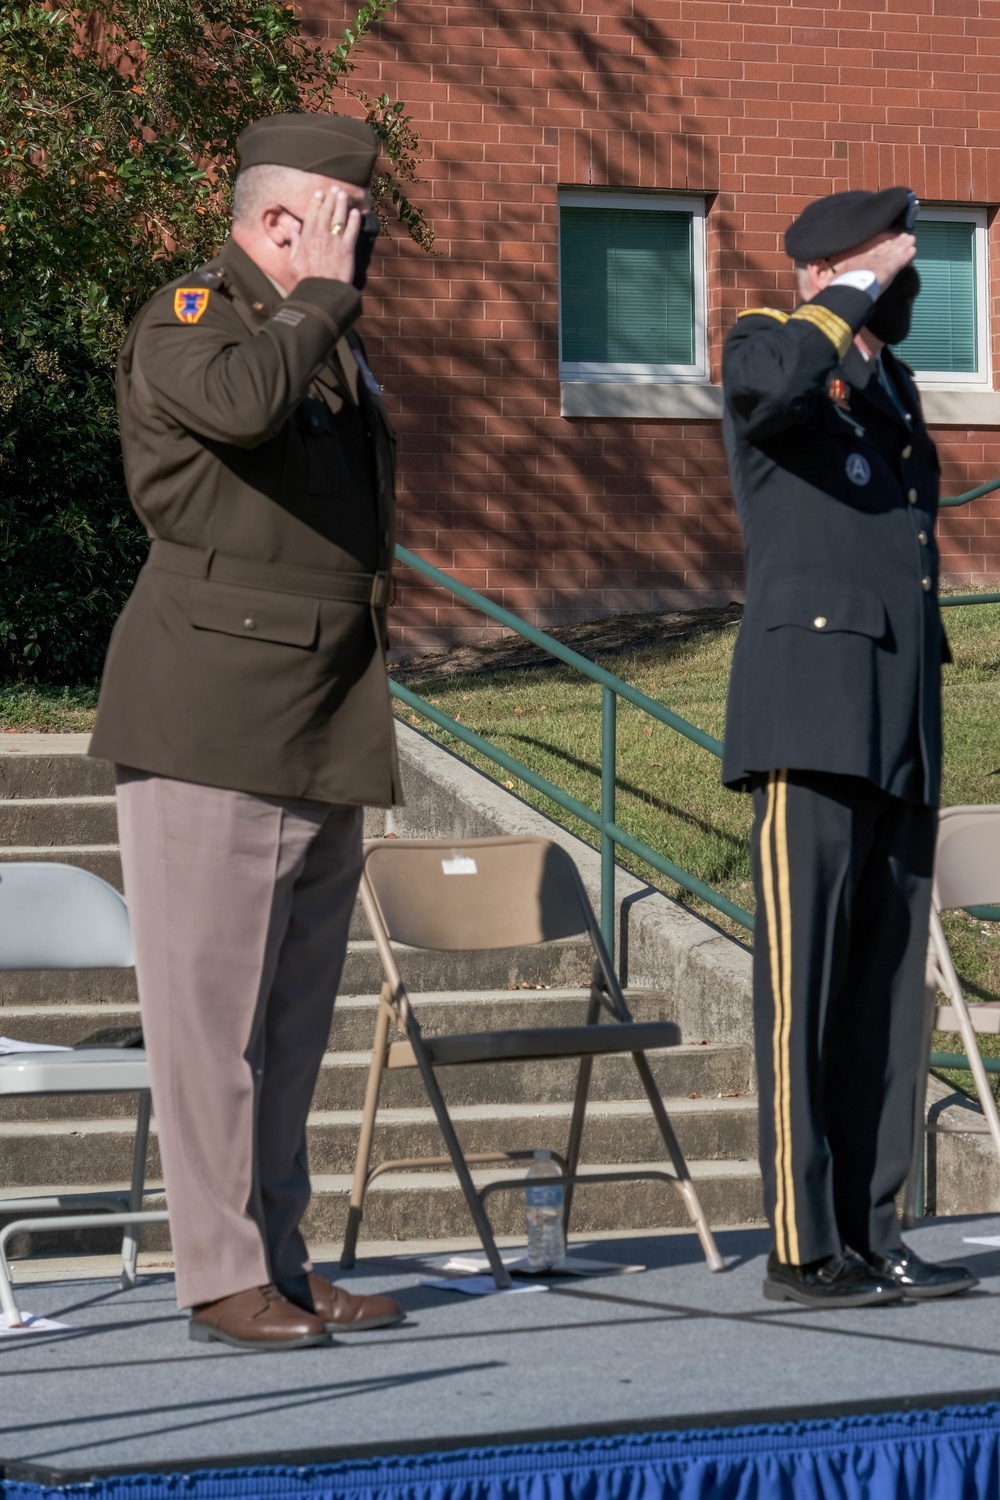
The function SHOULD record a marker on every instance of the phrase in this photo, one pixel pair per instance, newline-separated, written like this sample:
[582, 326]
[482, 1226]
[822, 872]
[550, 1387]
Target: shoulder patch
[190, 302]
[764, 312]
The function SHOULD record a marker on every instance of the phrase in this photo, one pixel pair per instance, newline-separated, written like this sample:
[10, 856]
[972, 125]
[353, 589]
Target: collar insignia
[839, 392]
[190, 302]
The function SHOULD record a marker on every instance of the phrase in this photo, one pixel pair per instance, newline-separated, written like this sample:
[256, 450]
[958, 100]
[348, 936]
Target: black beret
[831, 225]
[331, 145]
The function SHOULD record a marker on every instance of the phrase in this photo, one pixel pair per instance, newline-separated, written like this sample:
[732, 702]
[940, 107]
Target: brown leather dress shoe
[342, 1312]
[260, 1319]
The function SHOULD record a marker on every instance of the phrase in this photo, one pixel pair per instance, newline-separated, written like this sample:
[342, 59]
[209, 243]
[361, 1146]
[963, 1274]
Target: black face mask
[364, 249]
[893, 312]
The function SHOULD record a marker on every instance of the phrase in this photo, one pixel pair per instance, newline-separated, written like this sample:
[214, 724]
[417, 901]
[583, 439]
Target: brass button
[926, 584]
[820, 622]
[907, 450]
[922, 538]
[911, 495]
[250, 623]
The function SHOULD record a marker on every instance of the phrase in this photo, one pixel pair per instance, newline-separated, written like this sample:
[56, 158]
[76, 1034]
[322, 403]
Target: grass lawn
[669, 793]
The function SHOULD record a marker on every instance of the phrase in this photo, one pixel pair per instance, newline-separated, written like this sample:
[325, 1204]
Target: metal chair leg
[577, 1122]
[913, 1194]
[953, 989]
[359, 1186]
[684, 1184]
[8, 1302]
[130, 1240]
[501, 1276]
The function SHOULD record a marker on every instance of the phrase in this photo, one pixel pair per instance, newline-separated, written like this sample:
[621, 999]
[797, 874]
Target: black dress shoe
[835, 1281]
[920, 1278]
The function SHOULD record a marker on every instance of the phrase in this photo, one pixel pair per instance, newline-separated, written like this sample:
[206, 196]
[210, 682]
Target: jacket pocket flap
[822, 607]
[288, 619]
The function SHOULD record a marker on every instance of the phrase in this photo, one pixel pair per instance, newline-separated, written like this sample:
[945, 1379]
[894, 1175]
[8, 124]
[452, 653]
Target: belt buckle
[381, 585]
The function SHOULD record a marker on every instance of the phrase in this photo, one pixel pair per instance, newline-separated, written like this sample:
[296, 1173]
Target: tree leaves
[118, 126]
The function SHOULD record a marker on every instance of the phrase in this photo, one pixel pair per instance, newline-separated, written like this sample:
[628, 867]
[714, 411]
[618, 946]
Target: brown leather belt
[280, 578]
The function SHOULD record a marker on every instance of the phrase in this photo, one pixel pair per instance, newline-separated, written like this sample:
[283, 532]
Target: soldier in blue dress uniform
[834, 727]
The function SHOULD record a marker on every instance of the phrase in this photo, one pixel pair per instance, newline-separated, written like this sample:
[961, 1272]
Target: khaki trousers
[240, 907]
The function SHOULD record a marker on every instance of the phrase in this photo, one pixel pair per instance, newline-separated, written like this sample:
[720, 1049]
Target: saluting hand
[326, 240]
[885, 255]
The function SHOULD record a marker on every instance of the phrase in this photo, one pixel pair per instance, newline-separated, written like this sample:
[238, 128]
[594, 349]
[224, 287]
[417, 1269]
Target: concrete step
[561, 965]
[63, 1025]
[58, 822]
[677, 1070]
[30, 990]
[565, 964]
[705, 1071]
[52, 765]
[85, 1151]
[429, 1206]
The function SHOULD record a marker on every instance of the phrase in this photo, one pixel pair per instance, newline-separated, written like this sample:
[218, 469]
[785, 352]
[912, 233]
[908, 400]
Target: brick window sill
[652, 401]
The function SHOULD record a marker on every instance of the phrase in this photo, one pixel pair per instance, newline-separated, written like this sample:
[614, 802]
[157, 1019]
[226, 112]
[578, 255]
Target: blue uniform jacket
[837, 664]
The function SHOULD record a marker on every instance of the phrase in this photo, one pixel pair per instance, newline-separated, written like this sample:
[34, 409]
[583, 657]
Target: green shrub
[118, 123]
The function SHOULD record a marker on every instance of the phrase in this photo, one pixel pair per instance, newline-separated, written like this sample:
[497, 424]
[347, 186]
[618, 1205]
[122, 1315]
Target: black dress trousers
[842, 874]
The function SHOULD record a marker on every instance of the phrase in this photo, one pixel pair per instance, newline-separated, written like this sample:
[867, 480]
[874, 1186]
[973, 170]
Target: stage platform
[673, 1347]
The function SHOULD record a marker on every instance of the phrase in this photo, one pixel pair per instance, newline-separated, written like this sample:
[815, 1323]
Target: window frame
[633, 373]
[982, 378]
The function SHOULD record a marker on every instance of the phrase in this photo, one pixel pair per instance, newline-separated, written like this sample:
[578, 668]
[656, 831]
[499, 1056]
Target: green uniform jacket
[259, 458]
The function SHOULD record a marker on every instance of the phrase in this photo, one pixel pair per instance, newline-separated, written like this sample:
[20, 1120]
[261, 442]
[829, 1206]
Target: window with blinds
[631, 288]
[948, 342]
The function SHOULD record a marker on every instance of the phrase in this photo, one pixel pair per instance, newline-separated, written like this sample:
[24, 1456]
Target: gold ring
[336, 229]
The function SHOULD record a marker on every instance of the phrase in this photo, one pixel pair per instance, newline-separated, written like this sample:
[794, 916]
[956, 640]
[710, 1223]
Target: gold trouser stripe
[774, 951]
[835, 329]
[785, 907]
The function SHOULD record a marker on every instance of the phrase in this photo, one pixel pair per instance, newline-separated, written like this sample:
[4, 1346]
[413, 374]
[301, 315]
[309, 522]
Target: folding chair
[497, 893]
[55, 916]
[966, 873]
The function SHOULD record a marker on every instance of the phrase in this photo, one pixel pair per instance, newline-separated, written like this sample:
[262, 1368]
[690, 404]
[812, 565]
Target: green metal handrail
[959, 1060]
[612, 688]
[976, 494]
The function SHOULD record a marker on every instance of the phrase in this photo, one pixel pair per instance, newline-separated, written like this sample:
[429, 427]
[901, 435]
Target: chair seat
[91, 1070]
[551, 1041]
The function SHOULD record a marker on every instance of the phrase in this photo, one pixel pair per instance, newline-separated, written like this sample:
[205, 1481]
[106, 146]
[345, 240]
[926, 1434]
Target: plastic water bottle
[543, 1198]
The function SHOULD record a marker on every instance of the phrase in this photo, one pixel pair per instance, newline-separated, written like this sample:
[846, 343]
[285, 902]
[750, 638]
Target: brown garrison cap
[838, 222]
[332, 145]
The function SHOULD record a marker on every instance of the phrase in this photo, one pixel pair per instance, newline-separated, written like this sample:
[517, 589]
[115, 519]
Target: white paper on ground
[31, 1324]
[517, 1265]
[479, 1286]
[990, 1239]
[8, 1045]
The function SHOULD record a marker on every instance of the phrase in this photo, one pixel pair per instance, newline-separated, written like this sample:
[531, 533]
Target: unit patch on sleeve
[190, 302]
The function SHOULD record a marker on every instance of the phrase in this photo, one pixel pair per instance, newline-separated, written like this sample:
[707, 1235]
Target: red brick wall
[759, 107]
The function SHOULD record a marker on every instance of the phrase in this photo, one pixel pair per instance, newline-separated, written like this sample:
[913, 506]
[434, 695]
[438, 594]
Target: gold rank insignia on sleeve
[190, 302]
[839, 333]
[763, 312]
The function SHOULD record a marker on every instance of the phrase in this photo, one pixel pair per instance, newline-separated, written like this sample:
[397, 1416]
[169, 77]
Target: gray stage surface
[674, 1346]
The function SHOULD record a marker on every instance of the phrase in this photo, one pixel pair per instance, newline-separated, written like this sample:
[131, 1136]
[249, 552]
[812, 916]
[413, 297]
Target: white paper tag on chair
[460, 864]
